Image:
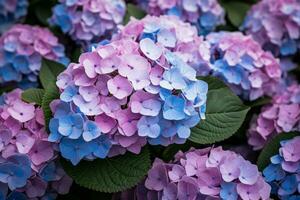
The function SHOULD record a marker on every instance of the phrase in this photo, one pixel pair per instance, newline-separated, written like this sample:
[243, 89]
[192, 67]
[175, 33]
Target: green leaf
[112, 174]
[43, 12]
[51, 93]
[225, 114]
[7, 88]
[236, 11]
[259, 102]
[75, 55]
[271, 149]
[33, 95]
[49, 71]
[133, 11]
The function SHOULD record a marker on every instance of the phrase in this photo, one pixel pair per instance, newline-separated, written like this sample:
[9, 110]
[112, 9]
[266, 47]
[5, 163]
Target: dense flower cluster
[210, 173]
[178, 36]
[21, 51]
[241, 62]
[283, 172]
[88, 21]
[206, 15]
[275, 24]
[282, 115]
[27, 160]
[11, 11]
[125, 93]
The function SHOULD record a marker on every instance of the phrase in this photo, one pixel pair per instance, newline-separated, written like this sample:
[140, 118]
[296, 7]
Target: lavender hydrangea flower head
[206, 15]
[11, 11]
[125, 93]
[21, 51]
[27, 159]
[239, 60]
[283, 171]
[275, 25]
[281, 115]
[90, 20]
[210, 173]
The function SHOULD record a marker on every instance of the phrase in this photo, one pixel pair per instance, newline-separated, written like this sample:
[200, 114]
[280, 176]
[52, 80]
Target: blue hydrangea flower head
[11, 11]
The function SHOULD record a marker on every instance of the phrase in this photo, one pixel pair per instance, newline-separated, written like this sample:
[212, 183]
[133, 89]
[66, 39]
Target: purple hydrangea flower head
[240, 61]
[21, 51]
[210, 173]
[206, 15]
[11, 11]
[275, 25]
[126, 92]
[89, 20]
[283, 171]
[27, 160]
[281, 115]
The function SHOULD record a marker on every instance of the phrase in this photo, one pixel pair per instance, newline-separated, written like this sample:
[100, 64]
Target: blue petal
[21, 64]
[91, 131]
[288, 48]
[75, 150]
[103, 145]
[174, 11]
[273, 172]
[54, 134]
[68, 93]
[14, 195]
[228, 191]
[48, 173]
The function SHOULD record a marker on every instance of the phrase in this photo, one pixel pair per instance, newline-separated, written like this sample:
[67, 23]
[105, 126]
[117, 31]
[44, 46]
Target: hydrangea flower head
[206, 15]
[239, 61]
[275, 25]
[281, 115]
[283, 171]
[21, 51]
[90, 20]
[11, 12]
[171, 32]
[27, 163]
[210, 173]
[125, 93]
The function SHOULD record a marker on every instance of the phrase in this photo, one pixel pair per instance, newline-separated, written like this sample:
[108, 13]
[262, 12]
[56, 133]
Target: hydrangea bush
[11, 11]
[210, 173]
[149, 78]
[21, 51]
[28, 164]
[250, 71]
[275, 25]
[283, 171]
[205, 15]
[124, 94]
[281, 115]
[90, 20]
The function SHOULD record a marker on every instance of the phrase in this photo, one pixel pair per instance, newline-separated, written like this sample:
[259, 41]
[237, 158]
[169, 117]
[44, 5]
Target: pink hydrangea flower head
[140, 87]
[210, 173]
[275, 24]
[23, 140]
[172, 33]
[22, 48]
[88, 21]
[240, 61]
[205, 15]
[281, 115]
